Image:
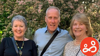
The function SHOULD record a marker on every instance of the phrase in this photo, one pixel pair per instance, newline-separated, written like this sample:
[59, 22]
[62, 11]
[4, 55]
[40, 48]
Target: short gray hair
[53, 7]
[20, 18]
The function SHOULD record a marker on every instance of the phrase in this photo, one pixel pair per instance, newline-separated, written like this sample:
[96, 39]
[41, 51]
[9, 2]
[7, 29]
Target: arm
[64, 50]
[34, 51]
[2, 47]
[98, 53]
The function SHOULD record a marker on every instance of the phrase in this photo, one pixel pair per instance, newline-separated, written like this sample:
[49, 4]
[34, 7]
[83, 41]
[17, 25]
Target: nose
[77, 26]
[53, 20]
[18, 28]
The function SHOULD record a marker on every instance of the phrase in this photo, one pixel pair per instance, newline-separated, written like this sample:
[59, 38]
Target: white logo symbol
[86, 49]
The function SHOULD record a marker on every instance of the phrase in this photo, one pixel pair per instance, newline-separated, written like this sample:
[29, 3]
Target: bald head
[53, 7]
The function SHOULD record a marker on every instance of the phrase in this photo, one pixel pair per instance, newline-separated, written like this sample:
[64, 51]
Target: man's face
[52, 19]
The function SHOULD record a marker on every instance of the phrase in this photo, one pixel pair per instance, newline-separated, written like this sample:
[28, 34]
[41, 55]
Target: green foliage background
[34, 12]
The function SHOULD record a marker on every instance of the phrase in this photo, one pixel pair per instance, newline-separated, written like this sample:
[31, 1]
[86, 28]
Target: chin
[77, 35]
[19, 36]
[53, 30]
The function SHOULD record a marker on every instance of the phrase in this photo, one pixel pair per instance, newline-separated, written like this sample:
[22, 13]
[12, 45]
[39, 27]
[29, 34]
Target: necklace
[79, 48]
[76, 43]
[20, 48]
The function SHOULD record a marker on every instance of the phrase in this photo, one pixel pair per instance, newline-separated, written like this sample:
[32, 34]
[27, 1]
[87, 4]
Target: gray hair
[20, 18]
[53, 7]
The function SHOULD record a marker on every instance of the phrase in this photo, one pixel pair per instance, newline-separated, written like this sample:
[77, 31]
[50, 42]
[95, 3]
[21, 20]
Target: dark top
[7, 48]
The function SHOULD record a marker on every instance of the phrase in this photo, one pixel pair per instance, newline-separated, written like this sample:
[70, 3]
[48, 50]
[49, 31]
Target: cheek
[57, 21]
[73, 27]
[47, 21]
[13, 29]
[24, 30]
[83, 27]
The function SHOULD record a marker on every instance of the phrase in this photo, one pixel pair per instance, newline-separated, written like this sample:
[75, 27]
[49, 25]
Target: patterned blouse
[74, 50]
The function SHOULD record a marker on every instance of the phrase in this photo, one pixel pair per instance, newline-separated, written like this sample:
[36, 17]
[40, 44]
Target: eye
[81, 23]
[55, 17]
[21, 26]
[15, 25]
[50, 17]
[74, 24]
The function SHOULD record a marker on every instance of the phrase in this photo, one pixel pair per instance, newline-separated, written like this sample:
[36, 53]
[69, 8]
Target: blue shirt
[42, 36]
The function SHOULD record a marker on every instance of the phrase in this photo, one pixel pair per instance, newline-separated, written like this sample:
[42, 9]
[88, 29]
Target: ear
[25, 28]
[59, 19]
[86, 29]
[12, 28]
[45, 19]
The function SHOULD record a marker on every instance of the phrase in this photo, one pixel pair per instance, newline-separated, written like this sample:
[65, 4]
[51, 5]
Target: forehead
[53, 11]
[77, 21]
[18, 21]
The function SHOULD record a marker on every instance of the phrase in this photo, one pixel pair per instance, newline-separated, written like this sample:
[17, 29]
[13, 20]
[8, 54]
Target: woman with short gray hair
[18, 45]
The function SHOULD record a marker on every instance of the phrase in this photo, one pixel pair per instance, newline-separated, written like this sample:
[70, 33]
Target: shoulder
[69, 43]
[64, 31]
[41, 30]
[98, 53]
[6, 38]
[31, 41]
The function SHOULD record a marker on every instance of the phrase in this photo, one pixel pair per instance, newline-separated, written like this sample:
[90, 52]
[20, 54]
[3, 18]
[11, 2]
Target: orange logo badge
[89, 46]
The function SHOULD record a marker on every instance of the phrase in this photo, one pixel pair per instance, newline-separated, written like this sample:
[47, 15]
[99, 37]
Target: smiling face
[18, 28]
[79, 29]
[52, 19]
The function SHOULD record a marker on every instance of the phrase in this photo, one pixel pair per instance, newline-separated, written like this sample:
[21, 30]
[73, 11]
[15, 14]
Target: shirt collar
[58, 29]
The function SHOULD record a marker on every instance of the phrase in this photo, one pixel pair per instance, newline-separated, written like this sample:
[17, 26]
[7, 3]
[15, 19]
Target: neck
[78, 40]
[51, 32]
[19, 38]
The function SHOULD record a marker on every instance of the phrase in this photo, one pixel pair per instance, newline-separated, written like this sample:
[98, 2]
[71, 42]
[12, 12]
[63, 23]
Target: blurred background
[34, 12]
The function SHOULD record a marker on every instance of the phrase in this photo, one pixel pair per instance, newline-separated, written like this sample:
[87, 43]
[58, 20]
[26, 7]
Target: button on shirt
[42, 36]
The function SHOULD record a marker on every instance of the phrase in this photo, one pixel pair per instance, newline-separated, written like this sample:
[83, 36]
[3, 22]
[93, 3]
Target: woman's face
[18, 28]
[79, 29]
